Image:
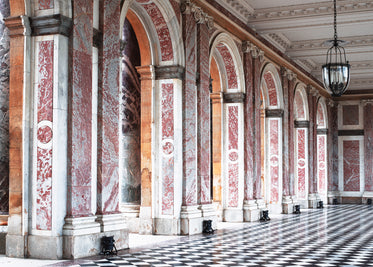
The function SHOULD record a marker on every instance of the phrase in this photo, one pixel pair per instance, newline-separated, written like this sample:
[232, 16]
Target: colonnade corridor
[337, 235]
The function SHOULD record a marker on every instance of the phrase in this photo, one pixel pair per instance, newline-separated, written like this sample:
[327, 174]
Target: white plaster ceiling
[299, 29]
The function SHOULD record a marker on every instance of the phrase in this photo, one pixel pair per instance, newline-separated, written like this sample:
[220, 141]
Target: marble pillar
[4, 111]
[368, 149]
[252, 133]
[332, 147]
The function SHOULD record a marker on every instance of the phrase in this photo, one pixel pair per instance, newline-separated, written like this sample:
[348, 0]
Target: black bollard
[108, 246]
[296, 209]
[320, 205]
[264, 216]
[207, 227]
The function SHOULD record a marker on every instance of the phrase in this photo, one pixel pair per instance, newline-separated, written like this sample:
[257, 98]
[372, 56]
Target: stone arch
[301, 117]
[226, 71]
[322, 125]
[271, 137]
[158, 34]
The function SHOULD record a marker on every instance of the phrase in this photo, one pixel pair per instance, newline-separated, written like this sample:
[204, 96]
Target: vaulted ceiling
[299, 28]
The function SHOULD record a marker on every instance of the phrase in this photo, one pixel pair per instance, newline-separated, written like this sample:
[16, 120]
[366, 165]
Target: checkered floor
[340, 235]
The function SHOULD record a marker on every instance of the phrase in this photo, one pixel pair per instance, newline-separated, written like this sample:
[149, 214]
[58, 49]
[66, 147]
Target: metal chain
[335, 21]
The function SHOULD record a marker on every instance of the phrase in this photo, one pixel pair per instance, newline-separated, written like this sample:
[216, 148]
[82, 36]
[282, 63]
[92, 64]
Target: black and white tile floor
[340, 235]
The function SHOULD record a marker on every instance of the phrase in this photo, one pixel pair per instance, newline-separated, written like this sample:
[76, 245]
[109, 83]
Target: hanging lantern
[336, 71]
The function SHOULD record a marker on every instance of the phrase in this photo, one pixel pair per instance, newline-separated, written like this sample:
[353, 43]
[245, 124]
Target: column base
[366, 197]
[209, 213]
[146, 221]
[166, 226]
[312, 201]
[82, 236]
[190, 220]
[45, 247]
[333, 195]
[16, 246]
[251, 213]
[132, 217]
[233, 215]
[288, 203]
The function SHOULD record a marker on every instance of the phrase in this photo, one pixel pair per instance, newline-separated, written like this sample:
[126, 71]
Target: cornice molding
[169, 72]
[234, 97]
[301, 124]
[274, 113]
[240, 8]
[306, 10]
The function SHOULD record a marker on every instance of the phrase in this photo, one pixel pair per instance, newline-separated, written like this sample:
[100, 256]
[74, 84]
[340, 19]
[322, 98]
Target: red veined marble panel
[299, 106]
[321, 163]
[301, 163]
[320, 117]
[271, 87]
[274, 159]
[162, 31]
[46, 4]
[351, 165]
[350, 114]
[44, 136]
[167, 106]
[229, 66]
[233, 156]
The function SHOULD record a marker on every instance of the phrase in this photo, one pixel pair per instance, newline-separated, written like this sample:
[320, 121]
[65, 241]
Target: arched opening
[301, 145]
[271, 138]
[227, 109]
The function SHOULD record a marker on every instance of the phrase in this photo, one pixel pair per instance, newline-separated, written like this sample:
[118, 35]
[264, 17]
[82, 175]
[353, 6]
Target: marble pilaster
[332, 147]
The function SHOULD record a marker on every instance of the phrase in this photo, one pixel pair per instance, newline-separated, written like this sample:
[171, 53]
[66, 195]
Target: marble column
[312, 148]
[190, 214]
[252, 164]
[108, 125]
[368, 149]
[332, 147]
[288, 161]
[4, 112]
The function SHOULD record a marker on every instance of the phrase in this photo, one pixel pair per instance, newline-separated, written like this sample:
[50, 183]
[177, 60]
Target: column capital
[312, 90]
[365, 102]
[187, 7]
[248, 47]
[289, 74]
[331, 103]
[18, 26]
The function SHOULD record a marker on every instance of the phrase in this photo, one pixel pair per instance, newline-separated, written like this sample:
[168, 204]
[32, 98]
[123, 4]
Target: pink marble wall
[108, 109]
[167, 106]
[176, 7]
[274, 154]
[299, 106]
[271, 87]
[204, 159]
[301, 163]
[368, 146]
[46, 4]
[350, 114]
[233, 156]
[4, 107]
[351, 165]
[249, 128]
[162, 30]
[189, 112]
[321, 164]
[229, 66]
[44, 136]
[80, 112]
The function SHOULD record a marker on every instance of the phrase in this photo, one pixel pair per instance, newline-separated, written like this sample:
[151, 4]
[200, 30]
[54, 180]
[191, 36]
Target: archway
[155, 207]
[271, 138]
[301, 120]
[227, 86]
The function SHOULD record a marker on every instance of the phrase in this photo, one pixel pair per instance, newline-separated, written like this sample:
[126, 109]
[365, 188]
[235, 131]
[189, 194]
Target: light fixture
[336, 71]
